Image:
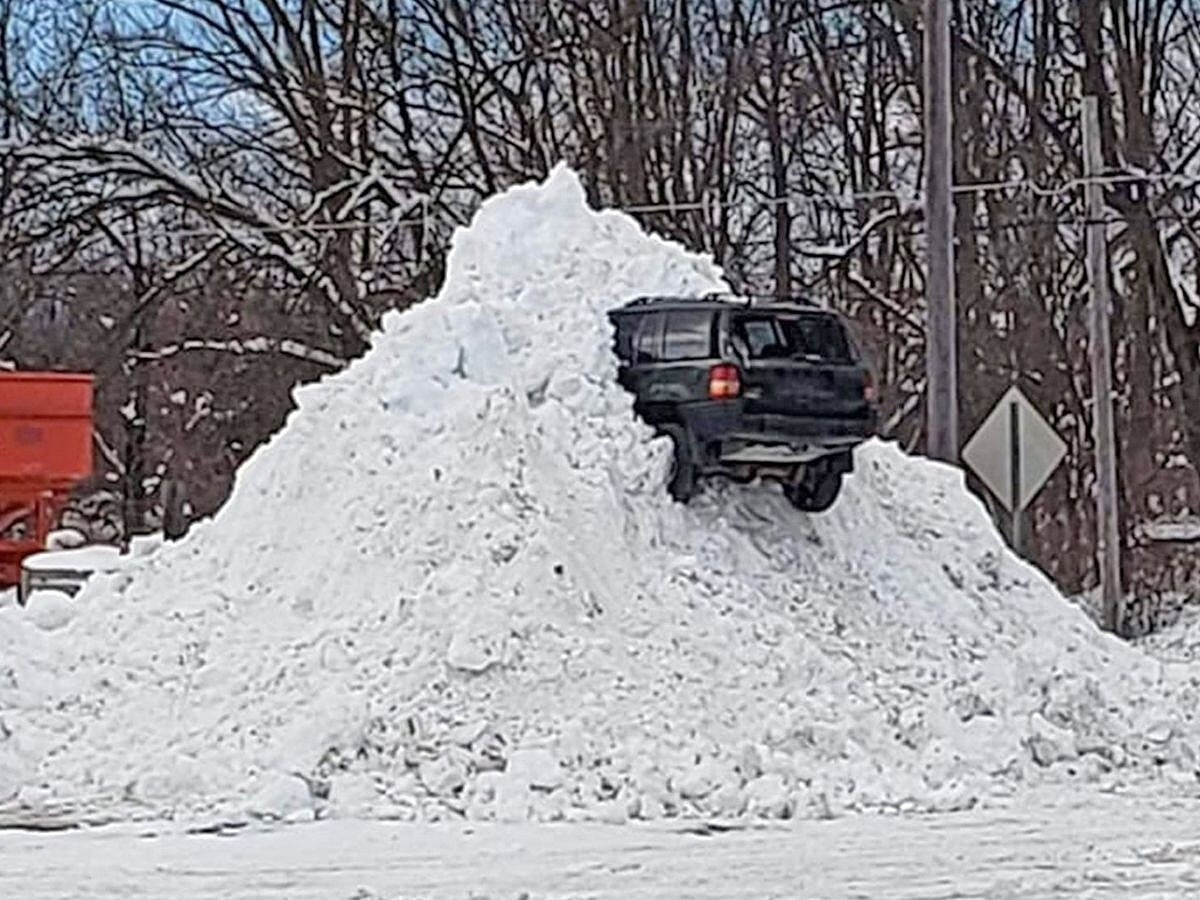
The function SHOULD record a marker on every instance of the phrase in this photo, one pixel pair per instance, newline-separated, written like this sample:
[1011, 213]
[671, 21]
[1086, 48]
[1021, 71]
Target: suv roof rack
[731, 297]
[752, 299]
[654, 298]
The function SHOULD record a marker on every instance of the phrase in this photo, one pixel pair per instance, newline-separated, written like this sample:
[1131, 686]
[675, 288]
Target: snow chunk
[50, 610]
[282, 797]
[1050, 744]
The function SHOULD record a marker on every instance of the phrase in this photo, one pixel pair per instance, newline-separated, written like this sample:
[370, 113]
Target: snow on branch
[110, 455]
[839, 256]
[839, 253]
[131, 160]
[312, 275]
[905, 409]
[170, 276]
[886, 303]
[321, 199]
[256, 346]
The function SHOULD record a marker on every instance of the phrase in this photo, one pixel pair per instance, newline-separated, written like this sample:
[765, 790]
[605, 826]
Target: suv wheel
[681, 483]
[816, 492]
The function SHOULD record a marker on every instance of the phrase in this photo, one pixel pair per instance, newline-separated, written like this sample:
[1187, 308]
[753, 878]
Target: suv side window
[647, 343]
[689, 335]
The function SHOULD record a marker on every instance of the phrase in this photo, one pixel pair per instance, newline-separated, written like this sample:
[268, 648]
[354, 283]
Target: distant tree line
[209, 201]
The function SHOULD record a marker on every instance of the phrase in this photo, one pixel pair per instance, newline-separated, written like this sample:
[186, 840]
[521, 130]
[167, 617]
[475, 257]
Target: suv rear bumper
[725, 433]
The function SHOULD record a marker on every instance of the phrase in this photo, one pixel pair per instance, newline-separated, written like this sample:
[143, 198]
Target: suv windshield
[814, 337]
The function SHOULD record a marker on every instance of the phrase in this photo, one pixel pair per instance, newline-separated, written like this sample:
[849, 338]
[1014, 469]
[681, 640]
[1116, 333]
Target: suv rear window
[818, 337]
[802, 336]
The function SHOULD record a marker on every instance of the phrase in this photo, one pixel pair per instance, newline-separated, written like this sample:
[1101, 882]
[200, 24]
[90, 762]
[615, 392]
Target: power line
[318, 227]
[916, 197]
[897, 227]
[838, 201]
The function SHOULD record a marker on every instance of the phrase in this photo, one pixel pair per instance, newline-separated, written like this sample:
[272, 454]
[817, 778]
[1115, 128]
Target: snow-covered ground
[1045, 848]
[453, 588]
[1180, 642]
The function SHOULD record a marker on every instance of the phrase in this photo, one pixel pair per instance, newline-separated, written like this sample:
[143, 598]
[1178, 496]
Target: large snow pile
[454, 582]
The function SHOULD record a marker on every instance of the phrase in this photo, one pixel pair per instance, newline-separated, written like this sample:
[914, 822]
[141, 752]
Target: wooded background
[207, 202]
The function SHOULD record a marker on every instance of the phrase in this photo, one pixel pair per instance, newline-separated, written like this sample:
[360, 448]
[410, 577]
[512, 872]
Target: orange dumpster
[46, 421]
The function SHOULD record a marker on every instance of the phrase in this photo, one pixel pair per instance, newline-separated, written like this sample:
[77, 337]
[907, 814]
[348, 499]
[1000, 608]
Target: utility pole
[1108, 530]
[941, 341]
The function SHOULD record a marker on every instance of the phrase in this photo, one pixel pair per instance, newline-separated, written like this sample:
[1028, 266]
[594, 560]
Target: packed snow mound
[454, 585]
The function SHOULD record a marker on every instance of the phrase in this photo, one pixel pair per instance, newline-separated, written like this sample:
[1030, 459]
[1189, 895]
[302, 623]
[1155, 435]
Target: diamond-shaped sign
[1014, 451]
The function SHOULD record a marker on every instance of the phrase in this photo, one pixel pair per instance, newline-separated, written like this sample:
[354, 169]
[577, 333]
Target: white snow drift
[454, 585]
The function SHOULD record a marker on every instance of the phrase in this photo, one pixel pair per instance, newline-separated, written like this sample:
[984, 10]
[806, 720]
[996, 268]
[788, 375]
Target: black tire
[816, 492]
[681, 483]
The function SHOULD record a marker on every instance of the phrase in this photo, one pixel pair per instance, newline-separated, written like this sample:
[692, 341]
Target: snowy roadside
[1049, 846]
[487, 608]
[1166, 626]
[1179, 642]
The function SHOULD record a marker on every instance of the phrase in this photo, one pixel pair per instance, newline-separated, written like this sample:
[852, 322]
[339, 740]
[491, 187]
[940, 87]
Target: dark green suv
[748, 388]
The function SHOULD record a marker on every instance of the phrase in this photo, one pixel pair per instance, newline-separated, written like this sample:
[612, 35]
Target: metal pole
[1014, 473]
[941, 348]
[1108, 529]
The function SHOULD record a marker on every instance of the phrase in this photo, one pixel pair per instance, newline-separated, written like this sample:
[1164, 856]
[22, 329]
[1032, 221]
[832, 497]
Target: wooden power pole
[1108, 530]
[941, 344]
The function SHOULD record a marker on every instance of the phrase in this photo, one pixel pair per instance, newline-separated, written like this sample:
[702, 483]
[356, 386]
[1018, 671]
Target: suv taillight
[724, 382]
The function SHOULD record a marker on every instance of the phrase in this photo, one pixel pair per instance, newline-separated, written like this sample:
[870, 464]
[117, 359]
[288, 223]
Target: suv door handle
[752, 393]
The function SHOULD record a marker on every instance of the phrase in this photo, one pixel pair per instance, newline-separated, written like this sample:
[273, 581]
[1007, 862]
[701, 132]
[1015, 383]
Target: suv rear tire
[816, 492]
[681, 483]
